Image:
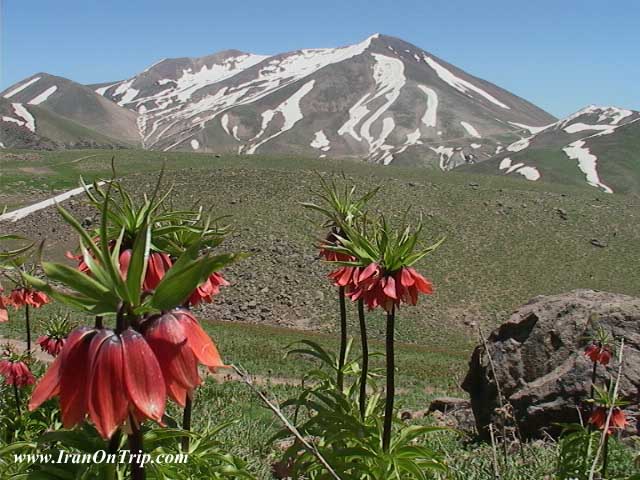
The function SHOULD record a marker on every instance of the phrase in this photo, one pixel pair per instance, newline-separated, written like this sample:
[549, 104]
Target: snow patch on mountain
[289, 109]
[13, 120]
[580, 127]
[274, 75]
[19, 88]
[587, 163]
[224, 122]
[430, 115]
[528, 172]
[320, 141]
[471, 130]
[190, 82]
[445, 154]
[23, 113]
[16, 215]
[388, 74]
[125, 92]
[102, 90]
[532, 130]
[43, 96]
[519, 145]
[195, 144]
[460, 84]
[413, 138]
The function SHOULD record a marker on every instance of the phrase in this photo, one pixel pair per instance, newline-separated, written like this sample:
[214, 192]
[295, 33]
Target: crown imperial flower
[180, 344]
[207, 290]
[598, 353]
[598, 418]
[105, 375]
[23, 296]
[16, 372]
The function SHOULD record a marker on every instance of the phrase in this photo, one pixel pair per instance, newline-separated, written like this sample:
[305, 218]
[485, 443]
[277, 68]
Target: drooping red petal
[47, 387]
[369, 271]
[406, 279]
[107, 401]
[390, 287]
[167, 338]
[158, 265]
[124, 260]
[598, 417]
[202, 346]
[618, 419]
[75, 375]
[38, 299]
[423, 285]
[143, 378]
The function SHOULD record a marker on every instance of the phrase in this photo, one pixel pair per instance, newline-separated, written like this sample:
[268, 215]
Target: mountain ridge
[382, 100]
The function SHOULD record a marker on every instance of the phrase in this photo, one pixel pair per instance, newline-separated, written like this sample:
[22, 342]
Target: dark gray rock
[540, 364]
[447, 404]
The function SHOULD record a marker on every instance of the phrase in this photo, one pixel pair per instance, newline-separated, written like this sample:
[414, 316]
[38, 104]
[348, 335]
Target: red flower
[16, 373]
[82, 266]
[598, 353]
[157, 266]
[21, 296]
[106, 375]
[332, 256]
[4, 315]
[599, 415]
[180, 343]
[206, 291]
[346, 277]
[379, 289]
[51, 345]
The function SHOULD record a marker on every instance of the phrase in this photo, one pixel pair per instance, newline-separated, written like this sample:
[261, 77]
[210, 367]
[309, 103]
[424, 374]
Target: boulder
[540, 366]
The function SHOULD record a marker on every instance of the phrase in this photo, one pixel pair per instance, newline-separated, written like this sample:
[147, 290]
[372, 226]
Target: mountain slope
[79, 104]
[597, 146]
[382, 99]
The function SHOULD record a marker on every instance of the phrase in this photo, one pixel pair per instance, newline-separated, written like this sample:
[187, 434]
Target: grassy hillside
[507, 240]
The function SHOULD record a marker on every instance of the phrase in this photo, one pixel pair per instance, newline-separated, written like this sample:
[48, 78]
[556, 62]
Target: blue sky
[559, 54]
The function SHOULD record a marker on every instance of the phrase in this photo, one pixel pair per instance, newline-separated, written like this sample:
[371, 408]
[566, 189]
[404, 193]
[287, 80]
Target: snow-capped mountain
[383, 100]
[597, 145]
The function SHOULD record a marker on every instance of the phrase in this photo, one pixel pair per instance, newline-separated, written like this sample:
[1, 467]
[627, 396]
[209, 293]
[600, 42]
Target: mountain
[66, 113]
[382, 99]
[599, 146]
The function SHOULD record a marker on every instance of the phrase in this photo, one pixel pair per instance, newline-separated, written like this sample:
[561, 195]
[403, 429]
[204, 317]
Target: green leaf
[138, 264]
[186, 274]
[75, 280]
